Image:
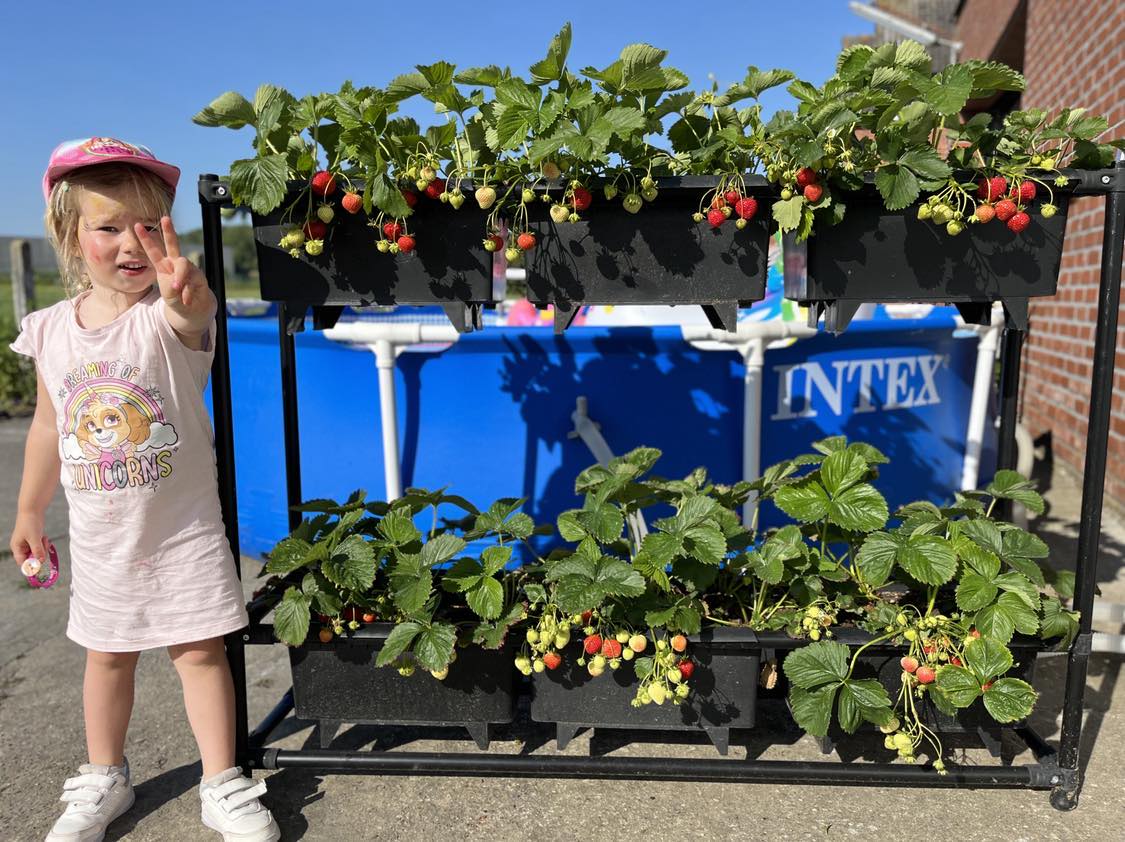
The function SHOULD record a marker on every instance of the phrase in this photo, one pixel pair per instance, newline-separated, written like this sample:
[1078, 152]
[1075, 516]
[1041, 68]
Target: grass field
[48, 291]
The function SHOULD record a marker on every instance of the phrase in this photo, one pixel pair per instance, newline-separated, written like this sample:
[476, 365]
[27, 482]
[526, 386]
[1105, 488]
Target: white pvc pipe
[386, 340]
[587, 429]
[754, 358]
[978, 408]
[750, 340]
[385, 356]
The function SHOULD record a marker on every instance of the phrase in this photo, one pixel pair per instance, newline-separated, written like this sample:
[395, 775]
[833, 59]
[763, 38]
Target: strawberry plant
[885, 114]
[359, 562]
[971, 582]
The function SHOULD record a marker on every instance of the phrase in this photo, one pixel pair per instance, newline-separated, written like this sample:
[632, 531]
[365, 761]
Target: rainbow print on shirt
[114, 434]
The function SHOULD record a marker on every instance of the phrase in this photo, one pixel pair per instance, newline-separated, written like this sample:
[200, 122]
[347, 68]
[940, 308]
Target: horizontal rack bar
[1035, 776]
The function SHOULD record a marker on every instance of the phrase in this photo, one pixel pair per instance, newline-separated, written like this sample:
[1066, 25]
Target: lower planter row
[337, 682]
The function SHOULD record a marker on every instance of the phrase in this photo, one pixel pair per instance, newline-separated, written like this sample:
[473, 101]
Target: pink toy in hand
[32, 567]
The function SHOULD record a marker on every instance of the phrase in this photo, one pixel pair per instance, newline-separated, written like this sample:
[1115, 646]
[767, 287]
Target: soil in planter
[724, 695]
[338, 682]
[449, 266]
[657, 256]
[881, 256]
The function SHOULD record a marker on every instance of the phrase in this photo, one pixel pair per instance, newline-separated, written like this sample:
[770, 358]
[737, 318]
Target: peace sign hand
[183, 286]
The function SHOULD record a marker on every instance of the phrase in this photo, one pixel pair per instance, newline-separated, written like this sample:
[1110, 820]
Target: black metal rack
[1058, 771]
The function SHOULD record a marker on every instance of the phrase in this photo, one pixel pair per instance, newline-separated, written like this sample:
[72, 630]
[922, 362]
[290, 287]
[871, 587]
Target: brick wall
[1074, 55]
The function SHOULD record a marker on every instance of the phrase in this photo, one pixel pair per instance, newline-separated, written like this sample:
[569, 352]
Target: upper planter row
[620, 185]
[662, 256]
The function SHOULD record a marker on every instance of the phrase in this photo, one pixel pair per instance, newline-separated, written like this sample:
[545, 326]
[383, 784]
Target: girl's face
[115, 260]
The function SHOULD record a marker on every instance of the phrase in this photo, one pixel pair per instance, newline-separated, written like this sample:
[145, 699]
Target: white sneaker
[231, 806]
[97, 796]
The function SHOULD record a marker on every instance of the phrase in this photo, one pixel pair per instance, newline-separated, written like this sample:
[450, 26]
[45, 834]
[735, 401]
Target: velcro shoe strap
[239, 792]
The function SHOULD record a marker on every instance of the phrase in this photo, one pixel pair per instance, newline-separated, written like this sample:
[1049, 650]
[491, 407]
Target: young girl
[120, 418]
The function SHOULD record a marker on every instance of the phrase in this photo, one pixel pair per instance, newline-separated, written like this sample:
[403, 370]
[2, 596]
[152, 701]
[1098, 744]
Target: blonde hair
[150, 196]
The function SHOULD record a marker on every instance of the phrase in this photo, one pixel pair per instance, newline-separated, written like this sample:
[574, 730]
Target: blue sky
[73, 69]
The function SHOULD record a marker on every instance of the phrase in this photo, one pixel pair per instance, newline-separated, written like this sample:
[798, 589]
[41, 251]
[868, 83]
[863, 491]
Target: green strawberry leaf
[291, 617]
[957, 685]
[352, 564]
[397, 642]
[486, 599]
[433, 647]
[986, 658]
[812, 709]
[1009, 699]
[817, 664]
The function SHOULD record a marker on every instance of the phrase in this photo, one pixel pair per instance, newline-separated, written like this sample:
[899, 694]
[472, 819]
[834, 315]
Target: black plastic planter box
[656, 256]
[880, 256]
[338, 682]
[971, 726]
[449, 266]
[724, 692]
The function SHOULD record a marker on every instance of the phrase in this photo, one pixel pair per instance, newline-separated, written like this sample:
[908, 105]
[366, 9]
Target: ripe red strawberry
[746, 208]
[925, 675]
[686, 669]
[955, 661]
[805, 177]
[586, 615]
[813, 192]
[551, 660]
[497, 240]
[324, 183]
[315, 229]
[611, 648]
[993, 188]
[592, 644]
[582, 198]
[909, 664]
[526, 241]
[392, 230]
[1018, 222]
[352, 202]
[1005, 209]
[368, 617]
[716, 217]
[732, 196]
[1023, 191]
[411, 197]
[985, 213]
[435, 188]
[718, 202]
[406, 244]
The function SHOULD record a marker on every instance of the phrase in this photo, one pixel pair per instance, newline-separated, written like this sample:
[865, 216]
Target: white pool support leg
[754, 357]
[589, 431]
[750, 340]
[978, 407]
[385, 356]
[386, 340]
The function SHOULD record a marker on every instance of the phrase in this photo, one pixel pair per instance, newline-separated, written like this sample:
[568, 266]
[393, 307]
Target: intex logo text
[898, 383]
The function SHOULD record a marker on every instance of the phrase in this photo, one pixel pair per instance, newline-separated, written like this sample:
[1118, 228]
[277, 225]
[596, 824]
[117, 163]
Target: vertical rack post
[289, 412]
[1011, 348]
[1065, 795]
[212, 195]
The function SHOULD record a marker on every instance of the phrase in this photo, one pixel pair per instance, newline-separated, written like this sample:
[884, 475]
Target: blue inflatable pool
[489, 416]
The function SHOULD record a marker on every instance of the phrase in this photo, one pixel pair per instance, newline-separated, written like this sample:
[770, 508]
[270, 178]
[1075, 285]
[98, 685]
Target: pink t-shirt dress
[150, 562]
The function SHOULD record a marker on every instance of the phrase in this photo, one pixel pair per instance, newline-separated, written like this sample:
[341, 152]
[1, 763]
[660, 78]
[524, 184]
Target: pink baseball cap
[75, 154]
